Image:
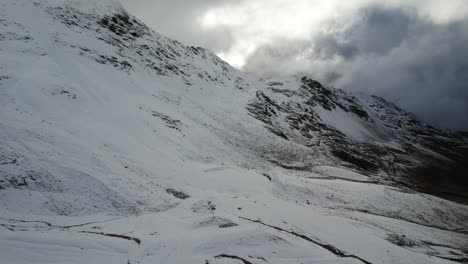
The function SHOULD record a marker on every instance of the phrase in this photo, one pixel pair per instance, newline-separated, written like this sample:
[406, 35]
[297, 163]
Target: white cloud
[255, 23]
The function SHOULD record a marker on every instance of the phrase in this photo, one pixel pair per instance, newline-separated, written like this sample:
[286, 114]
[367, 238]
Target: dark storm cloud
[327, 46]
[377, 31]
[393, 53]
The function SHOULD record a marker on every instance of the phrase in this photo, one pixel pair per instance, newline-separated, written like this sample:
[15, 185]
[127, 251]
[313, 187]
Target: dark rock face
[170, 122]
[291, 113]
[448, 180]
[178, 194]
[160, 55]
[331, 99]
[122, 24]
[227, 225]
[356, 160]
[297, 111]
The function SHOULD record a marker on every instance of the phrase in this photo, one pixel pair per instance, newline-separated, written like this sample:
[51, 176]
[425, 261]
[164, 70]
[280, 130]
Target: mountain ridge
[108, 126]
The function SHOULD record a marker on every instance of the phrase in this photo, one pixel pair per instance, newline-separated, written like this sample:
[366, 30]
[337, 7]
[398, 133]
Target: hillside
[118, 145]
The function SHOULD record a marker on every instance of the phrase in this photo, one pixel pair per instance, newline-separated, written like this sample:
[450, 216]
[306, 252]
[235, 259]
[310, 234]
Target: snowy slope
[118, 145]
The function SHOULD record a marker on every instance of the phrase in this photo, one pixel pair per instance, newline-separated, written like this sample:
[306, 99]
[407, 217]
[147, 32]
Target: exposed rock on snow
[118, 145]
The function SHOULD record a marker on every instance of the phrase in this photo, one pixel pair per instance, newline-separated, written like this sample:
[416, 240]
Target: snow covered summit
[118, 145]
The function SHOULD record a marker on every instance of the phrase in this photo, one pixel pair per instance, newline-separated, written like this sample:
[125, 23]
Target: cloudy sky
[411, 52]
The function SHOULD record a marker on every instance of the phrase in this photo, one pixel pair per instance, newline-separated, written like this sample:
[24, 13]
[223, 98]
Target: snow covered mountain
[118, 145]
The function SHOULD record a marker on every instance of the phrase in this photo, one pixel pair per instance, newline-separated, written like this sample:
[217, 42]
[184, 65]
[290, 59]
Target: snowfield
[118, 145]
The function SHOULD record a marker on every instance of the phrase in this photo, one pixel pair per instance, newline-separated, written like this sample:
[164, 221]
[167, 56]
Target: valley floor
[334, 218]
